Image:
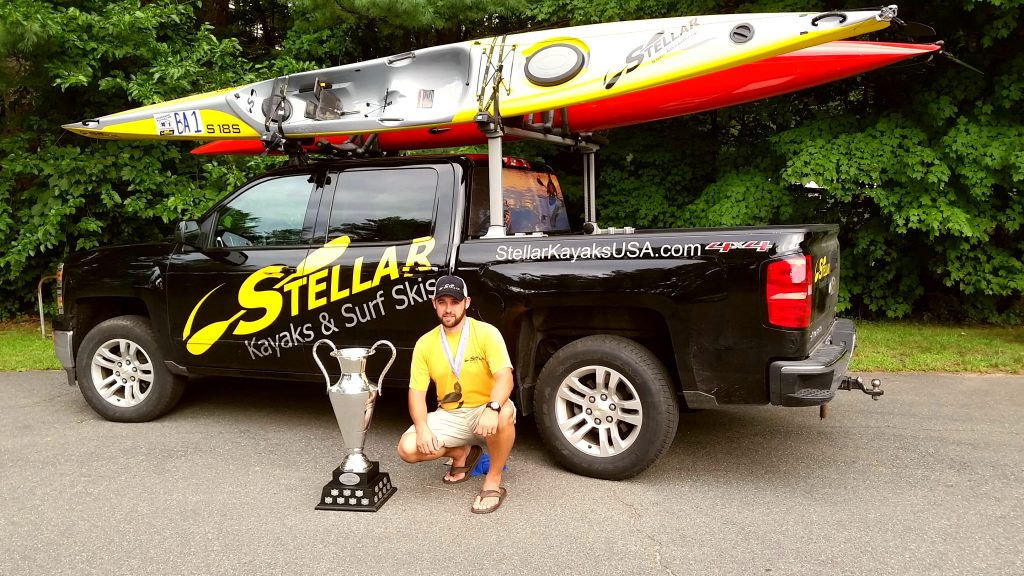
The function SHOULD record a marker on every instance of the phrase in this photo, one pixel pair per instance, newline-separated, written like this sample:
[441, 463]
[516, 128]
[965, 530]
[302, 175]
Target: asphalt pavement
[928, 480]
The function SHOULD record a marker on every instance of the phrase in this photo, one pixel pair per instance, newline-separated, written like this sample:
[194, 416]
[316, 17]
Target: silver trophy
[357, 484]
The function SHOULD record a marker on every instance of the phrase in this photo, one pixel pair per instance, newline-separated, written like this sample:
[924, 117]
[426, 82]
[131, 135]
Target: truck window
[532, 199]
[270, 213]
[383, 205]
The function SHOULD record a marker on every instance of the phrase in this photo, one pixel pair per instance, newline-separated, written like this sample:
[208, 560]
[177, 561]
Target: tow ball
[857, 383]
[850, 383]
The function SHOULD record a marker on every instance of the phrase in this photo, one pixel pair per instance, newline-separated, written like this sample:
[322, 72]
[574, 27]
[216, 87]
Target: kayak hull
[762, 79]
[506, 76]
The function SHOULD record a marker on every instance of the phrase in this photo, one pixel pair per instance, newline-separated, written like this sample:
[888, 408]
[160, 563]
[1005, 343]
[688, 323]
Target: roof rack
[585, 142]
[356, 146]
[489, 121]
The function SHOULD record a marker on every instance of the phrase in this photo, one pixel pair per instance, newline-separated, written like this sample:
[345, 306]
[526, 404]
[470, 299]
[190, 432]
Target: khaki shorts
[455, 427]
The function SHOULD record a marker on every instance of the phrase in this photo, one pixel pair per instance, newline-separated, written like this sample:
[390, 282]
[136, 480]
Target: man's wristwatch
[494, 406]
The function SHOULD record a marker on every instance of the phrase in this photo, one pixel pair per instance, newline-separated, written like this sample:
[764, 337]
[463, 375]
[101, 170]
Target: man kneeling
[473, 388]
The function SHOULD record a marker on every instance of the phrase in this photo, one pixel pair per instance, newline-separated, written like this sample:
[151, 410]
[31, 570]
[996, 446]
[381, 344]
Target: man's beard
[454, 320]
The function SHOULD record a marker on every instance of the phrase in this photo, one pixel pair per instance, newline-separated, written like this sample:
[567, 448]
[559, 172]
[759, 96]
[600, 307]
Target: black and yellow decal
[270, 292]
[822, 269]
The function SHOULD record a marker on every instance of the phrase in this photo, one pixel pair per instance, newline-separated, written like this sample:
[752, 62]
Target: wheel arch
[90, 312]
[544, 330]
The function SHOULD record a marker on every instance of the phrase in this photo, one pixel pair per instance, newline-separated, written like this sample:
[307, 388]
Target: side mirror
[187, 233]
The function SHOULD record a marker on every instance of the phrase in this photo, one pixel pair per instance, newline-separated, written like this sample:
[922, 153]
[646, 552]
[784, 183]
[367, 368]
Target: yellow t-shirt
[485, 354]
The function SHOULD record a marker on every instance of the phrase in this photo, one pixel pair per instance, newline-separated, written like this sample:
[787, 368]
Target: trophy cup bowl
[357, 484]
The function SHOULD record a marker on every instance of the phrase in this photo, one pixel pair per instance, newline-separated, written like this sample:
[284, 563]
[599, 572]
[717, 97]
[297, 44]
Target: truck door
[393, 224]
[238, 303]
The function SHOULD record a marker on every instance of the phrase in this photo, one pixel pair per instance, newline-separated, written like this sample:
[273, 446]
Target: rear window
[532, 203]
[392, 205]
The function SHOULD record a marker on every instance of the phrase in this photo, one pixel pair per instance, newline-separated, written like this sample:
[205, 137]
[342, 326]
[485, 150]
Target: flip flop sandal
[474, 455]
[499, 494]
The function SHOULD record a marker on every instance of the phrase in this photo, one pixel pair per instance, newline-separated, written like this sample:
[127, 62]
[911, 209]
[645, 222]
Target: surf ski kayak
[762, 79]
[506, 76]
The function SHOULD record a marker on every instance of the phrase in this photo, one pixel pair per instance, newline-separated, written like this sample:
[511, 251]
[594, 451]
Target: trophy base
[357, 491]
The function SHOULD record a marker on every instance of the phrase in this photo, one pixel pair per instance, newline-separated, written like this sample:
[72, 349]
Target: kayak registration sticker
[184, 123]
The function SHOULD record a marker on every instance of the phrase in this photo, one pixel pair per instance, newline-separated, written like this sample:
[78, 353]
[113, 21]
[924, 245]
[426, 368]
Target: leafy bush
[921, 166]
[60, 193]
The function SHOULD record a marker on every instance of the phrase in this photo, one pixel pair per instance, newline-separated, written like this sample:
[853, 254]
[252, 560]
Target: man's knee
[407, 448]
[507, 416]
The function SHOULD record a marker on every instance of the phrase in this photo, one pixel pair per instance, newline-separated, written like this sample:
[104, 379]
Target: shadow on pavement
[739, 444]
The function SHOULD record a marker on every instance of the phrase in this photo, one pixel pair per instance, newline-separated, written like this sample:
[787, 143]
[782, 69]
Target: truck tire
[605, 407]
[121, 371]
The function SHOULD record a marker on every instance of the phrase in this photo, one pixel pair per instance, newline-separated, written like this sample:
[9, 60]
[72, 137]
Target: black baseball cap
[451, 286]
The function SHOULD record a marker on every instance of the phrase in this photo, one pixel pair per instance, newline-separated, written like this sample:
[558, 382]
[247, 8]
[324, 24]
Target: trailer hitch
[850, 383]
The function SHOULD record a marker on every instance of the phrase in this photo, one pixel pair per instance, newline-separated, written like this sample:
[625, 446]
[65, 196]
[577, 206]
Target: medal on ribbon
[455, 362]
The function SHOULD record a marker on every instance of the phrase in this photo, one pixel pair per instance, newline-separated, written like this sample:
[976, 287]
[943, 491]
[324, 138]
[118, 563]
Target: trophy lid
[352, 353]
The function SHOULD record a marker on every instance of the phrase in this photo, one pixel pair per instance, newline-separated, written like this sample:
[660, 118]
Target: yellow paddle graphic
[201, 340]
[206, 336]
[317, 259]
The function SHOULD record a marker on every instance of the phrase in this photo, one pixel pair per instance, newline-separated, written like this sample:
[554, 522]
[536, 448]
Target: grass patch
[22, 348]
[881, 347]
[916, 347]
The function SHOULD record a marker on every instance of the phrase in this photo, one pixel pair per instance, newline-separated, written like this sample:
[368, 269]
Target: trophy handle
[394, 354]
[334, 348]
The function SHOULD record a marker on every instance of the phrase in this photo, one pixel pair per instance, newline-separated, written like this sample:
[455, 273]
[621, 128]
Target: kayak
[505, 76]
[762, 79]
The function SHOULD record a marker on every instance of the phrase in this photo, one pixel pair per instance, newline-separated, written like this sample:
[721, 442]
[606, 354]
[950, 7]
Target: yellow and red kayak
[762, 79]
[507, 76]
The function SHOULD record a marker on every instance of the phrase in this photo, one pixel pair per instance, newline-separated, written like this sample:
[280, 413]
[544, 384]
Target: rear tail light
[788, 292]
[511, 162]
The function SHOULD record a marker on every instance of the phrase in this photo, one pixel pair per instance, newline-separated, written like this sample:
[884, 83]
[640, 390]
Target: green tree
[921, 166]
[343, 31]
[66, 61]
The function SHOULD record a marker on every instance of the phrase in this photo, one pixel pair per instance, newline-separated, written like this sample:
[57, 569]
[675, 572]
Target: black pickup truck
[612, 332]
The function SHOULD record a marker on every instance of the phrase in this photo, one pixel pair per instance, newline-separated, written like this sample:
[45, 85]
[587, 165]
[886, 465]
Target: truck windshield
[532, 199]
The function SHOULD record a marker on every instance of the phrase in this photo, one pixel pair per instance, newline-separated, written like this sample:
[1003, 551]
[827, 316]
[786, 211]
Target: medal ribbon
[456, 362]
